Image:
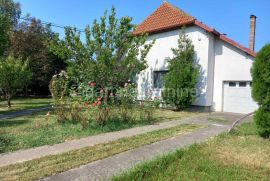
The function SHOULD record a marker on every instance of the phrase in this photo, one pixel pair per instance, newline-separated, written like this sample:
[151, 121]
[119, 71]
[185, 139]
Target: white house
[225, 80]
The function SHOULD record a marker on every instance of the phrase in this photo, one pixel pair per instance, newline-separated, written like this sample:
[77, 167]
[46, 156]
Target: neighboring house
[225, 80]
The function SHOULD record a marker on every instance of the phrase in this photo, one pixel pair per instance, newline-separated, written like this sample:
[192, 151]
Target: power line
[51, 24]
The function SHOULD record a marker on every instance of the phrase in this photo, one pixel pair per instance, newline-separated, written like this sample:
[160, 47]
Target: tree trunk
[26, 92]
[8, 97]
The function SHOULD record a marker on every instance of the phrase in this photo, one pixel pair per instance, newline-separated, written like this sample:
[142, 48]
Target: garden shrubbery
[262, 118]
[182, 77]
[90, 104]
[261, 90]
[109, 58]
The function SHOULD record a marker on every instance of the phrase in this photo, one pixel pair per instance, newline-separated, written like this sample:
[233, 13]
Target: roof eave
[164, 29]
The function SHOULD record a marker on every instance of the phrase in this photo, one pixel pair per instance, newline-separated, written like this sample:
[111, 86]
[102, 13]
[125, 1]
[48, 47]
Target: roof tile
[168, 17]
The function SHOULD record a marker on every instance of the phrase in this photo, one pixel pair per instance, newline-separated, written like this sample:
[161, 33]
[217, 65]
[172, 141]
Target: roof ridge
[179, 9]
[165, 10]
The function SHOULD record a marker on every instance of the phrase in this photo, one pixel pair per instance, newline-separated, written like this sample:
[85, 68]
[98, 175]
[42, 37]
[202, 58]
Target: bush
[261, 89]
[59, 91]
[147, 111]
[182, 77]
[59, 86]
[126, 98]
[77, 115]
[262, 120]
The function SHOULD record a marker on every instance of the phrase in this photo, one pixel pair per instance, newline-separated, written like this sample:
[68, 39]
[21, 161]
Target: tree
[14, 76]
[111, 54]
[261, 90]
[9, 15]
[181, 79]
[29, 42]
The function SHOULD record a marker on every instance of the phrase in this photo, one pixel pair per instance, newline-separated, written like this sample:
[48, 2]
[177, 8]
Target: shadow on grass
[35, 103]
[8, 123]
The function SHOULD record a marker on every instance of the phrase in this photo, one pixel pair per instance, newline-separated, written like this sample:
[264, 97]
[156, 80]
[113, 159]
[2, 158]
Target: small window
[158, 79]
[250, 83]
[232, 84]
[242, 84]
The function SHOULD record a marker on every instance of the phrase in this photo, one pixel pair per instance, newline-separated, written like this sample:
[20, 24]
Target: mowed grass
[41, 129]
[23, 104]
[49, 165]
[241, 155]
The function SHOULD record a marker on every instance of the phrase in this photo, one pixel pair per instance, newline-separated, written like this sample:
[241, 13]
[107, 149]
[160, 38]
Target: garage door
[237, 97]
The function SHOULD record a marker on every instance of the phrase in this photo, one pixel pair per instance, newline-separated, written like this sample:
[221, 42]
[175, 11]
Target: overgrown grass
[241, 155]
[165, 114]
[41, 129]
[218, 120]
[50, 165]
[23, 104]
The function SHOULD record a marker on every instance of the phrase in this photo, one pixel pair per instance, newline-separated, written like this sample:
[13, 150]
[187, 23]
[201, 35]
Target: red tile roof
[168, 17]
[165, 17]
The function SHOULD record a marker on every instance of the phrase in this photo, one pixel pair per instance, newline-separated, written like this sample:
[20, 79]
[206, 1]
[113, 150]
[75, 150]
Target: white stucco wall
[157, 60]
[219, 62]
[231, 64]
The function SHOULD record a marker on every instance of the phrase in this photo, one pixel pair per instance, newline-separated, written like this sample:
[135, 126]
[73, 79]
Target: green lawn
[23, 104]
[41, 129]
[49, 165]
[241, 155]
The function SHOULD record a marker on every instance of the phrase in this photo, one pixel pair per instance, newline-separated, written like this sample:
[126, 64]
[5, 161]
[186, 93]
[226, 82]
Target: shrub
[98, 108]
[102, 115]
[59, 86]
[126, 98]
[261, 89]
[182, 77]
[146, 111]
[59, 90]
[77, 114]
[157, 102]
[62, 113]
[262, 120]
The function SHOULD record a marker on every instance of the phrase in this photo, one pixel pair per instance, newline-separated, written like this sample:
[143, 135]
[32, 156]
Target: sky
[227, 16]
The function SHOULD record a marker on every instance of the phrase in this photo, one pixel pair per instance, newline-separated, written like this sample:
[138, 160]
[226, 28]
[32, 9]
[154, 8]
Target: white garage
[237, 97]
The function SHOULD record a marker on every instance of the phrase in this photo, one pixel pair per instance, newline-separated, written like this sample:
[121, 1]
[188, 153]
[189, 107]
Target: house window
[158, 79]
[232, 84]
[242, 84]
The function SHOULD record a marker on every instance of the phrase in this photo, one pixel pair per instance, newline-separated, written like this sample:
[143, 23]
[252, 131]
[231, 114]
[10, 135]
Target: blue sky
[227, 16]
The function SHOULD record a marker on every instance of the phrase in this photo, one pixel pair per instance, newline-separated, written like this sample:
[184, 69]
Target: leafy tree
[29, 42]
[111, 54]
[9, 14]
[182, 77]
[14, 76]
[261, 89]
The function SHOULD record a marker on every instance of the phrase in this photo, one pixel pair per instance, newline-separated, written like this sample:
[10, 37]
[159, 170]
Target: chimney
[252, 32]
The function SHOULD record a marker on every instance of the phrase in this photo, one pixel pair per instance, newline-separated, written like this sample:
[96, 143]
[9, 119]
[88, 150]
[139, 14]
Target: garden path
[33, 153]
[23, 113]
[108, 167]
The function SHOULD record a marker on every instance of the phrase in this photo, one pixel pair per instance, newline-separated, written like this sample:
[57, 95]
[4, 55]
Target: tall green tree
[111, 54]
[14, 76]
[181, 79]
[29, 41]
[261, 90]
[9, 15]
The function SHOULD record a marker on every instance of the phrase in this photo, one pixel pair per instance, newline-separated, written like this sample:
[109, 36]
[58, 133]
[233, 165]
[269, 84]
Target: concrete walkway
[38, 152]
[108, 167]
[23, 113]
[112, 165]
